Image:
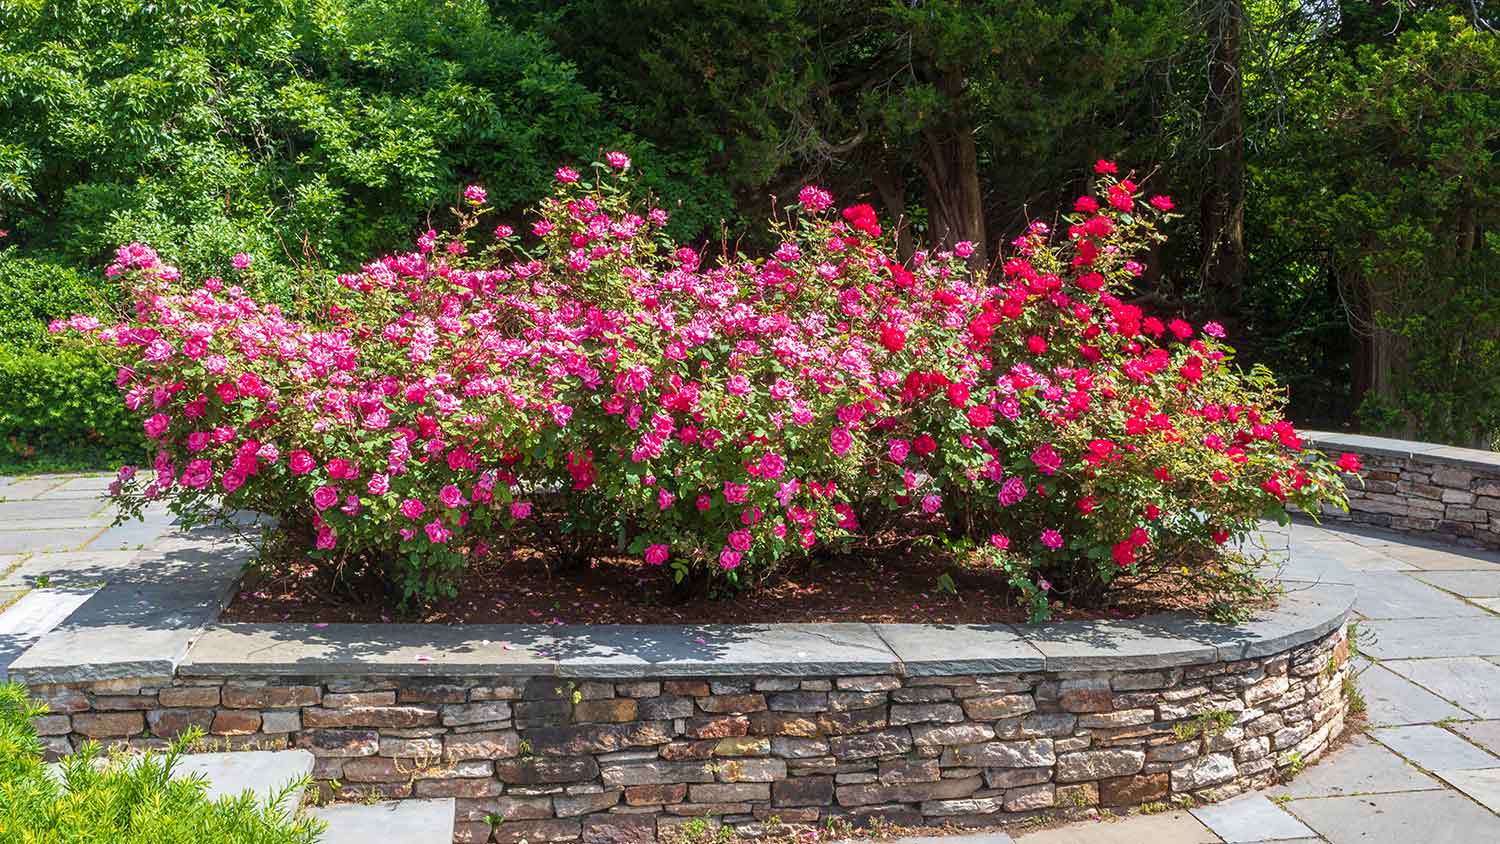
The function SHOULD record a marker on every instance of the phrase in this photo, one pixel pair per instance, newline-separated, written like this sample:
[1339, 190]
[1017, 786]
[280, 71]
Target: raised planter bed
[608, 732]
[1424, 489]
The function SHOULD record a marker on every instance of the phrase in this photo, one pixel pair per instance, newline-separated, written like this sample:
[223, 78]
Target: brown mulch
[872, 584]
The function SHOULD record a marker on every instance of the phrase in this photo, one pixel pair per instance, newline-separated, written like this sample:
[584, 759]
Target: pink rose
[1052, 538]
[657, 554]
[301, 462]
[157, 424]
[1047, 460]
[729, 559]
[451, 497]
[840, 440]
[380, 484]
[740, 540]
[931, 504]
[520, 509]
[436, 533]
[412, 508]
[325, 496]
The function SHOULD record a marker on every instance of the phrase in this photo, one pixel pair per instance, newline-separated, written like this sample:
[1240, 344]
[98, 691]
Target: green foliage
[59, 409]
[306, 133]
[1390, 173]
[122, 799]
[34, 291]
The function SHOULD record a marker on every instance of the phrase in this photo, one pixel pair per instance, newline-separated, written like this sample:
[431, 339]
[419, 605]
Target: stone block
[172, 723]
[537, 770]
[799, 701]
[1133, 790]
[572, 805]
[598, 738]
[1030, 798]
[486, 787]
[864, 745]
[714, 727]
[1214, 769]
[873, 793]
[752, 770]
[655, 773]
[100, 725]
[737, 792]
[609, 710]
[619, 829]
[664, 708]
[922, 713]
[338, 743]
[368, 716]
[1027, 753]
[1086, 695]
[743, 746]
[1088, 765]
[882, 683]
[997, 706]
[655, 794]
[733, 704]
[336, 700]
[230, 722]
[237, 696]
[499, 744]
[533, 832]
[925, 735]
[188, 697]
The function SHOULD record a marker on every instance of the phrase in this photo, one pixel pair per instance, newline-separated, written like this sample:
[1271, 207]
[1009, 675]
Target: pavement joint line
[1431, 773]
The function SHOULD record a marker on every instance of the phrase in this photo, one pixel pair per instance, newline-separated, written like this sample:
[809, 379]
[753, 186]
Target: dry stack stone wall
[1450, 494]
[613, 760]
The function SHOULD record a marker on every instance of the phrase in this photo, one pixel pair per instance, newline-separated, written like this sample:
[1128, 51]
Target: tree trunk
[1223, 205]
[892, 190]
[955, 203]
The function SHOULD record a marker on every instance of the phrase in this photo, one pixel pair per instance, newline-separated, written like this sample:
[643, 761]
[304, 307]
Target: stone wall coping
[1469, 458]
[1306, 612]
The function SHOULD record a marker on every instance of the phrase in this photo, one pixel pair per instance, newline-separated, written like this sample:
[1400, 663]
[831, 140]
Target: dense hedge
[59, 408]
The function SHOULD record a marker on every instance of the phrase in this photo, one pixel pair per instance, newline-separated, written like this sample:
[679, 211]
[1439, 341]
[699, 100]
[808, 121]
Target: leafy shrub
[717, 417]
[59, 409]
[121, 799]
[33, 291]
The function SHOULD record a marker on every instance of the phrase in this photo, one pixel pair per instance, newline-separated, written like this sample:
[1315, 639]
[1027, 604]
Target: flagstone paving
[1426, 769]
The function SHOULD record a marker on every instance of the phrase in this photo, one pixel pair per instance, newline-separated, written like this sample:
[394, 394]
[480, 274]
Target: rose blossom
[657, 554]
[412, 508]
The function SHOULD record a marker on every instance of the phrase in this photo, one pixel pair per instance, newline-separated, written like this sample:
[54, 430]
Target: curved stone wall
[1449, 493]
[620, 733]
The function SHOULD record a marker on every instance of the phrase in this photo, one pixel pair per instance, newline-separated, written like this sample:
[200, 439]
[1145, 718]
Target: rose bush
[716, 416]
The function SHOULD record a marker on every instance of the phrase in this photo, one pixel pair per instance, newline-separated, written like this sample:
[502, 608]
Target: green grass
[120, 799]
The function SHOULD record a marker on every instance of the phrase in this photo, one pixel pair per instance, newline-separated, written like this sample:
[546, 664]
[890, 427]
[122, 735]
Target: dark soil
[875, 583]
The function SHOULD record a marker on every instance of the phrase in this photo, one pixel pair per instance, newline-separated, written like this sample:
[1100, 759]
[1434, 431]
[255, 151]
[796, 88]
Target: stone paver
[399, 822]
[1468, 681]
[1482, 786]
[1486, 734]
[1361, 766]
[1166, 828]
[1392, 700]
[1398, 595]
[1418, 817]
[1470, 584]
[1434, 748]
[1409, 638]
[265, 773]
[1250, 817]
[32, 615]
